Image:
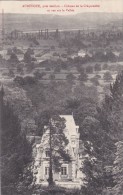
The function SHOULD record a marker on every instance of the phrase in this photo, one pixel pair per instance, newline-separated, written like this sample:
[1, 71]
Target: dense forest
[100, 130]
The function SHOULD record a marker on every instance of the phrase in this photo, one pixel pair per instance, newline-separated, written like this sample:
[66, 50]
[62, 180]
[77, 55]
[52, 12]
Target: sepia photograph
[61, 97]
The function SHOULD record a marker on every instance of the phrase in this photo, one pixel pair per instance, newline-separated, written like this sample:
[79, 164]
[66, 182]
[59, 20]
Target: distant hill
[82, 20]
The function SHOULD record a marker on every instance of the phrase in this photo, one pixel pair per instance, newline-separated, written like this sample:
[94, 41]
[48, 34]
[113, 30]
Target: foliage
[105, 66]
[11, 73]
[99, 56]
[15, 150]
[23, 108]
[70, 77]
[55, 143]
[110, 56]
[94, 164]
[95, 81]
[27, 57]
[114, 120]
[99, 135]
[97, 67]
[27, 80]
[52, 76]
[83, 76]
[89, 69]
[20, 69]
[118, 170]
[107, 76]
[57, 190]
[13, 58]
[39, 75]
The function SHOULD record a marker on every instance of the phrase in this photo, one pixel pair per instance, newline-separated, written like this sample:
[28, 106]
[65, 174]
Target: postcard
[61, 97]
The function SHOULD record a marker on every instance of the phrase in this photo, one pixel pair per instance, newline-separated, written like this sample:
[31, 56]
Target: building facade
[70, 174]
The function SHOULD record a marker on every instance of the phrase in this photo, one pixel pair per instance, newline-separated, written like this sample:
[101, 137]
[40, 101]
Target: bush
[13, 58]
[105, 66]
[11, 73]
[83, 77]
[39, 75]
[19, 80]
[57, 190]
[47, 69]
[95, 81]
[107, 76]
[89, 69]
[70, 77]
[97, 76]
[57, 69]
[52, 76]
[97, 67]
[28, 80]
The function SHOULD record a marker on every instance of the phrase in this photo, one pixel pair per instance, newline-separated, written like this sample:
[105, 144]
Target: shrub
[97, 67]
[95, 81]
[89, 69]
[107, 76]
[105, 66]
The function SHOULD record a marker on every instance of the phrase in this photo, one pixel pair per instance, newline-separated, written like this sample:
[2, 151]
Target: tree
[13, 58]
[105, 66]
[89, 69]
[95, 81]
[27, 57]
[19, 80]
[30, 80]
[52, 76]
[99, 131]
[15, 149]
[120, 58]
[107, 76]
[39, 75]
[99, 56]
[118, 170]
[30, 66]
[20, 70]
[56, 143]
[115, 119]
[97, 67]
[70, 78]
[110, 56]
[11, 73]
[57, 69]
[83, 76]
[98, 147]
[110, 116]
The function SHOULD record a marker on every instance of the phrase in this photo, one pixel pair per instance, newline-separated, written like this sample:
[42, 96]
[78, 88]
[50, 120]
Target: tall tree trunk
[50, 180]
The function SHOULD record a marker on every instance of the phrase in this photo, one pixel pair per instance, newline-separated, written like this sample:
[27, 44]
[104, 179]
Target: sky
[61, 7]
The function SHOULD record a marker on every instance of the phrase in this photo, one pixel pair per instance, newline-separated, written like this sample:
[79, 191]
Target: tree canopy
[16, 151]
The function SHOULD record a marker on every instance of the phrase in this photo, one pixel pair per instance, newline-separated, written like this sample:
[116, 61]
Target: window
[63, 170]
[73, 142]
[47, 153]
[46, 170]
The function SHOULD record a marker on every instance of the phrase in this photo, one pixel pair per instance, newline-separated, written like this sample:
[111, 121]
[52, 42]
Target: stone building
[70, 174]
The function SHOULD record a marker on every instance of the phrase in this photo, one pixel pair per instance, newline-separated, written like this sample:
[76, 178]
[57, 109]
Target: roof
[70, 124]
